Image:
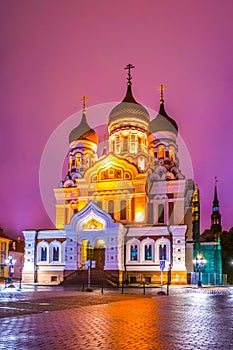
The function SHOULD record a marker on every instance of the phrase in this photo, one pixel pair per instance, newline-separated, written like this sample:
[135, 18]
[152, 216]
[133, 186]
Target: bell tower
[216, 225]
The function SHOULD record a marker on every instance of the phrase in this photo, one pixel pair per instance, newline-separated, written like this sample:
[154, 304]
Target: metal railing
[208, 278]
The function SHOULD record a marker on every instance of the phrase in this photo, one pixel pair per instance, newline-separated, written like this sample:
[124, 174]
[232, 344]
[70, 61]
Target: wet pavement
[56, 318]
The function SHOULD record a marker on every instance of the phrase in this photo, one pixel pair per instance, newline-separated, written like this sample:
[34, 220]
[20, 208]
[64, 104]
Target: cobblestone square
[67, 320]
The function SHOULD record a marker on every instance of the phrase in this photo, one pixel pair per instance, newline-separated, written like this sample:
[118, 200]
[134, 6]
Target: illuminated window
[88, 160]
[55, 254]
[141, 163]
[133, 252]
[133, 148]
[43, 253]
[162, 252]
[125, 143]
[148, 252]
[123, 210]
[139, 144]
[92, 224]
[161, 214]
[70, 162]
[78, 160]
[161, 152]
[111, 208]
[171, 153]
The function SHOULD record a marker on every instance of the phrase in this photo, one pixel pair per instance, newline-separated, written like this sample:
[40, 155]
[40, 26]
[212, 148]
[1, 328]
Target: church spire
[216, 216]
[129, 95]
[162, 111]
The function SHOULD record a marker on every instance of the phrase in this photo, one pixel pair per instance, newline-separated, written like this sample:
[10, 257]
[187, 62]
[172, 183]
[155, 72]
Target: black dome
[162, 122]
[83, 132]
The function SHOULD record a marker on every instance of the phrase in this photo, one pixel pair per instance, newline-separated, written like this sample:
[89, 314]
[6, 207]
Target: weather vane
[129, 78]
[84, 99]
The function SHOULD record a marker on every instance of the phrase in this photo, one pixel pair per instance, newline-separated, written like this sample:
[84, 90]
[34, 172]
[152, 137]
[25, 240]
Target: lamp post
[198, 263]
[10, 261]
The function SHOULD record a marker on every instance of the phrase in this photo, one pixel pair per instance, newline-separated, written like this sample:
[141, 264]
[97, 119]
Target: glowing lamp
[139, 217]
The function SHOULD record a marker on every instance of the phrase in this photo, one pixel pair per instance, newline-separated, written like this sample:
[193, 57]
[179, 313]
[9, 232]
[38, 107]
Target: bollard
[102, 287]
[167, 289]
[144, 288]
[122, 288]
[83, 287]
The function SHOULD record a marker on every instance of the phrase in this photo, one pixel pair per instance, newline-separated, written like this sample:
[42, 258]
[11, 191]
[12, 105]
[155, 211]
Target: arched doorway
[99, 253]
[86, 251]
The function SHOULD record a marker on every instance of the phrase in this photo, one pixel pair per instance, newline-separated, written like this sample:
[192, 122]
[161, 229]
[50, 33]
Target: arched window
[123, 210]
[171, 153]
[111, 208]
[148, 252]
[125, 143]
[70, 163]
[141, 163]
[160, 214]
[55, 256]
[132, 143]
[161, 152]
[162, 252]
[44, 253]
[78, 160]
[117, 149]
[133, 252]
[99, 203]
[55, 251]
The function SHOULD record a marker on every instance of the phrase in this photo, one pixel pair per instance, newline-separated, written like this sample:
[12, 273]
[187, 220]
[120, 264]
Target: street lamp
[10, 261]
[198, 263]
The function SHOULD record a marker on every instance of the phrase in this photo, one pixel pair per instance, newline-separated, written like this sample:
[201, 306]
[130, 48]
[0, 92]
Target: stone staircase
[98, 277]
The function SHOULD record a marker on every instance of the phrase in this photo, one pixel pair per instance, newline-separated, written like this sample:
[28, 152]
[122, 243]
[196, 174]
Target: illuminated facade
[128, 209]
[4, 253]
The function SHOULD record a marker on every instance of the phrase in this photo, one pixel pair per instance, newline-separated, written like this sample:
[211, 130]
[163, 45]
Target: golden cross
[84, 99]
[161, 88]
[129, 66]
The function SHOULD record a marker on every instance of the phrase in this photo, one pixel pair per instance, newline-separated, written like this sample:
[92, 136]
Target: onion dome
[162, 122]
[129, 112]
[83, 131]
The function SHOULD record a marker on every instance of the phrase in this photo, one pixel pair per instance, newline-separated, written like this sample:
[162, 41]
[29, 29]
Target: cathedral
[127, 211]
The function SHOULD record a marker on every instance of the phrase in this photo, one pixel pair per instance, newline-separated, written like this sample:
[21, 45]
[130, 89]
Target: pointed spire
[162, 111]
[216, 216]
[216, 201]
[129, 95]
[84, 99]
[161, 88]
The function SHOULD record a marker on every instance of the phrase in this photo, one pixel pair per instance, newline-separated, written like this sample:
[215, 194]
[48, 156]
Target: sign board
[90, 263]
[162, 265]
[87, 264]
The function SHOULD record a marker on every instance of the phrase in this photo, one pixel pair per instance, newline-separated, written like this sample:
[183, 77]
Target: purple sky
[54, 52]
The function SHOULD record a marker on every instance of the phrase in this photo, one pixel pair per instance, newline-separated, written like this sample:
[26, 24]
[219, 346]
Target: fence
[209, 278]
